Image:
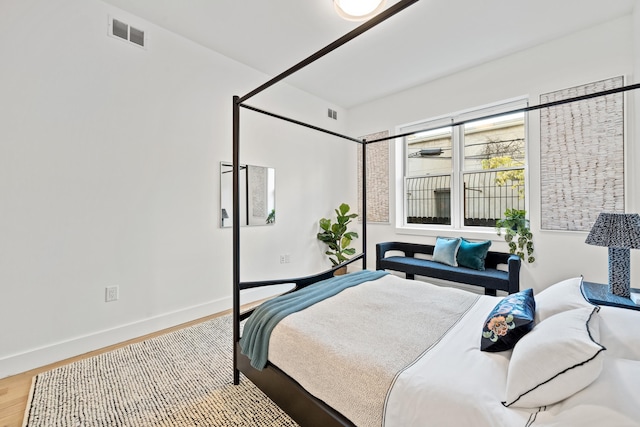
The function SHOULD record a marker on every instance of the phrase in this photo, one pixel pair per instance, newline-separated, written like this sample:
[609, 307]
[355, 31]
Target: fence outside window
[487, 194]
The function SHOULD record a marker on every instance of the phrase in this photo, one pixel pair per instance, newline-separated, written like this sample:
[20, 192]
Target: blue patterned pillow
[511, 319]
[446, 250]
[473, 254]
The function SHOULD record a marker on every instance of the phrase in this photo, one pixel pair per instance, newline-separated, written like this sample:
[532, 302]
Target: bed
[417, 359]
[371, 371]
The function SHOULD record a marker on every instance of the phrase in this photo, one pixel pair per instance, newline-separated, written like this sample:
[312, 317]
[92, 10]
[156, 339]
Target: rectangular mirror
[257, 195]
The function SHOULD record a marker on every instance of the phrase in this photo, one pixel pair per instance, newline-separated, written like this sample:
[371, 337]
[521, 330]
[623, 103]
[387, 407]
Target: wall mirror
[257, 195]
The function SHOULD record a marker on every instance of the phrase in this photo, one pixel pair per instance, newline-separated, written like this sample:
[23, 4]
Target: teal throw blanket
[257, 331]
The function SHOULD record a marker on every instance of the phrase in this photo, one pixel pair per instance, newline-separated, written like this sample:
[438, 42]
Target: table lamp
[619, 232]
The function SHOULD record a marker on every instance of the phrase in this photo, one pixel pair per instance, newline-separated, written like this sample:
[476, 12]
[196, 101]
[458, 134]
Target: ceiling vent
[124, 31]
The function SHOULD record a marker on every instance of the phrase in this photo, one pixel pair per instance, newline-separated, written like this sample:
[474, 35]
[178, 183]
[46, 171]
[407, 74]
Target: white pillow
[621, 339]
[558, 358]
[563, 296]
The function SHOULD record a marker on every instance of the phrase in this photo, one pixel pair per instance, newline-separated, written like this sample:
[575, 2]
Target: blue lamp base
[619, 276]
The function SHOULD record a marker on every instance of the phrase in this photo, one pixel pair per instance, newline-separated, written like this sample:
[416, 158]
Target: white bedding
[455, 384]
[458, 385]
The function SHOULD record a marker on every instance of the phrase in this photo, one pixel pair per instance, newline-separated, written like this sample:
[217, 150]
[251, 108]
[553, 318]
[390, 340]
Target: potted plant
[517, 233]
[336, 235]
[271, 218]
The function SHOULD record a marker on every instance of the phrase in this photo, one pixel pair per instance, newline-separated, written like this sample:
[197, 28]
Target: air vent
[332, 114]
[124, 31]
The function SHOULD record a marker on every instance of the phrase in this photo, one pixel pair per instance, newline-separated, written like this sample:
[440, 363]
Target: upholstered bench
[491, 278]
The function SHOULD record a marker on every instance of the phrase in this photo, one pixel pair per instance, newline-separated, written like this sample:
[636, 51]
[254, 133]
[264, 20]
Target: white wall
[591, 55]
[109, 175]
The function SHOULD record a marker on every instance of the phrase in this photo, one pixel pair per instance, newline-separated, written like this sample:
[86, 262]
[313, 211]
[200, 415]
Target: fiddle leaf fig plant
[517, 233]
[336, 235]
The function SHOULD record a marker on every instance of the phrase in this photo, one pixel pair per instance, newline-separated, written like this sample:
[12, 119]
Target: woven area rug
[183, 378]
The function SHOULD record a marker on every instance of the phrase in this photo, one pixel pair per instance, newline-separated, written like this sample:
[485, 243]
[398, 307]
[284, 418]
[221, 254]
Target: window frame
[456, 121]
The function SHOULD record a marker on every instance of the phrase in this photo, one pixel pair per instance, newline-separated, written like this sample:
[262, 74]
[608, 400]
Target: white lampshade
[358, 10]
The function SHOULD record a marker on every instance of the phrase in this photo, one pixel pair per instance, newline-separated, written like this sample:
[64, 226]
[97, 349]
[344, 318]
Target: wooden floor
[14, 390]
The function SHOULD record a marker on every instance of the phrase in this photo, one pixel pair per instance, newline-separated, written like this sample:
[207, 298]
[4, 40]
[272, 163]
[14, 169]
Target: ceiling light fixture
[358, 10]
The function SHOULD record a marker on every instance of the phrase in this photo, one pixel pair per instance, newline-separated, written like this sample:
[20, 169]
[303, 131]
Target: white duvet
[458, 385]
[453, 383]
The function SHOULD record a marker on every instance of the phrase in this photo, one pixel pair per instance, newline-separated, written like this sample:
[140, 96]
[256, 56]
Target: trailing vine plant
[517, 233]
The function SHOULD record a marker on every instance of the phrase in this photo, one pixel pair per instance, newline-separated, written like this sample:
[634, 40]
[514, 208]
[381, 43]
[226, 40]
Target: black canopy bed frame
[302, 406]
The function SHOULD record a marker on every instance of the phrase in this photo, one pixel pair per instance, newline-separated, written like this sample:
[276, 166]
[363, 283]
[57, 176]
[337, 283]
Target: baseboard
[42, 356]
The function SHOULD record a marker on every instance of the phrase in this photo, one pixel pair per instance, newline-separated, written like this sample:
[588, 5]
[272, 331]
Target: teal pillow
[473, 254]
[446, 250]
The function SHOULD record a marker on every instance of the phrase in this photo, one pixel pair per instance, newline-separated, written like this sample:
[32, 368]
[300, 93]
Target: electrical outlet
[285, 258]
[111, 293]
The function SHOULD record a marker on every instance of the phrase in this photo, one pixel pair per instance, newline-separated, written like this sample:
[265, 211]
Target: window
[465, 170]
